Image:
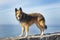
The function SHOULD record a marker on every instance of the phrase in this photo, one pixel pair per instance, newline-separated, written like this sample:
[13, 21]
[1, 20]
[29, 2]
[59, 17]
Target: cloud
[3, 2]
[33, 3]
[41, 8]
[7, 4]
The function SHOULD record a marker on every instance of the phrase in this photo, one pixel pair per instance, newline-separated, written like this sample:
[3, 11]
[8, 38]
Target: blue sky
[49, 8]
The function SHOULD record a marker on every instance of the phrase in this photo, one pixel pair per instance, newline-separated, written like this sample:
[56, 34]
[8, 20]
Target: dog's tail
[45, 26]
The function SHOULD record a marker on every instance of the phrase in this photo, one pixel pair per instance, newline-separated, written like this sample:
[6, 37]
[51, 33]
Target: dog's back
[26, 18]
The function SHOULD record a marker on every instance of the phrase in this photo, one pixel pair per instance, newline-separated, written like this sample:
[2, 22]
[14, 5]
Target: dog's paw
[25, 36]
[20, 35]
[41, 36]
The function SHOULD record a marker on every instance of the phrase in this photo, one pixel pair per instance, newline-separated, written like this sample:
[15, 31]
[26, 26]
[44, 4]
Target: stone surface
[48, 36]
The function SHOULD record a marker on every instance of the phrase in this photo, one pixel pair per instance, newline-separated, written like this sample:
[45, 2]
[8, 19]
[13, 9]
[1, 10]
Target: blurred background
[9, 26]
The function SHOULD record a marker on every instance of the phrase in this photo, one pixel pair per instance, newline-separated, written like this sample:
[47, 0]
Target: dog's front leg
[26, 29]
[23, 29]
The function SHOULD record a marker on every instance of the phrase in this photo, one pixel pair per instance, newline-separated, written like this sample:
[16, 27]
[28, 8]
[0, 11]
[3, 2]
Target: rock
[48, 36]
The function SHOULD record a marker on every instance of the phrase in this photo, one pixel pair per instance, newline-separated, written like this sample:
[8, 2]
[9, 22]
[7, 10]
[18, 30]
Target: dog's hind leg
[41, 25]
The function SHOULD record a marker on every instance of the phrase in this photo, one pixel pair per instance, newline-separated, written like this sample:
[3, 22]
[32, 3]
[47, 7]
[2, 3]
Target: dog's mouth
[18, 16]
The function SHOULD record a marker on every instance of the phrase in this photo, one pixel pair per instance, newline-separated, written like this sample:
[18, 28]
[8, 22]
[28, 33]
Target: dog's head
[18, 12]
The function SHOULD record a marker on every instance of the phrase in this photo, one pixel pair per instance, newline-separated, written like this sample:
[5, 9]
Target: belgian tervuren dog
[26, 20]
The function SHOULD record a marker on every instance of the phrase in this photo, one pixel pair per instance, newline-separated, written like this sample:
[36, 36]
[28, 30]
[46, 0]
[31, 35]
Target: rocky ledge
[48, 36]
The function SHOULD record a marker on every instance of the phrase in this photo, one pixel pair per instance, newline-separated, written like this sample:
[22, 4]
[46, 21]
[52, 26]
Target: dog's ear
[20, 9]
[15, 9]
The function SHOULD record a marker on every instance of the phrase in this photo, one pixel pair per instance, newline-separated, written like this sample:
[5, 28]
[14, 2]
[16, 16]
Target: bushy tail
[45, 26]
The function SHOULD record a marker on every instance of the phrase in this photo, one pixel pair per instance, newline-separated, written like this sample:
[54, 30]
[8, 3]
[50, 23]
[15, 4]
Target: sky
[50, 9]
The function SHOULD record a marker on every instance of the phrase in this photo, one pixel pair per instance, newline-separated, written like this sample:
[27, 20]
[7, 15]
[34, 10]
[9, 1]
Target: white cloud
[8, 4]
[41, 8]
[2, 2]
[37, 8]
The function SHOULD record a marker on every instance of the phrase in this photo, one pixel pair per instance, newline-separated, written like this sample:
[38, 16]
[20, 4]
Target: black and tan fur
[26, 20]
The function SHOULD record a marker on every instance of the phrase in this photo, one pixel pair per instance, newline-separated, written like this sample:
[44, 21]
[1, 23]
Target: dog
[26, 20]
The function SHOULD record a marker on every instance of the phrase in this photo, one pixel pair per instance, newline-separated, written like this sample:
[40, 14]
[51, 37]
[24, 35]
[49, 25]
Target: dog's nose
[19, 16]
